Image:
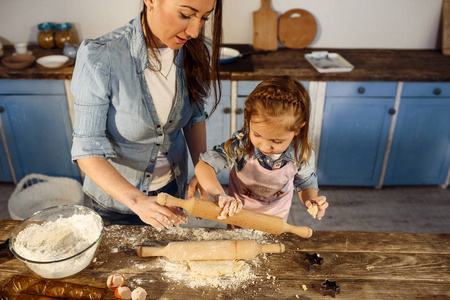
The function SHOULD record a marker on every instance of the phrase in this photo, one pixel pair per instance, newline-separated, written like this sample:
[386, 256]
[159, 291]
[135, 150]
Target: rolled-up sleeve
[306, 177]
[198, 115]
[90, 88]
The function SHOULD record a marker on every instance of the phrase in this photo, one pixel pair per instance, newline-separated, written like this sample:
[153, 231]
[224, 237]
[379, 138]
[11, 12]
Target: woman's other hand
[194, 186]
[229, 205]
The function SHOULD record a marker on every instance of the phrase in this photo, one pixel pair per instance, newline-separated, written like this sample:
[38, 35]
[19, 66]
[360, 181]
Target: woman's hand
[229, 205]
[317, 206]
[194, 186]
[158, 216]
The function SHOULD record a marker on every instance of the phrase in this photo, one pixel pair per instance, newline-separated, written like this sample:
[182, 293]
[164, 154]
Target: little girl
[270, 156]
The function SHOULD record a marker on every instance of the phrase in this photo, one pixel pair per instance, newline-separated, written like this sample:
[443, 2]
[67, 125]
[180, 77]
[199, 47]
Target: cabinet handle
[437, 91]
[392, 111]
[1, 109]
[239, 111]
[361, 90]
[226, 110]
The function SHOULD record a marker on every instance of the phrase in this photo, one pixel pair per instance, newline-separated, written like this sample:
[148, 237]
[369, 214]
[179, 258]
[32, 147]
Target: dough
[215, 268]
[313, 210]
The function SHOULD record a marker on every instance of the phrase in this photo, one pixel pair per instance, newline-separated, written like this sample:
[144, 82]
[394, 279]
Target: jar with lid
[63, 34]
[46, 35]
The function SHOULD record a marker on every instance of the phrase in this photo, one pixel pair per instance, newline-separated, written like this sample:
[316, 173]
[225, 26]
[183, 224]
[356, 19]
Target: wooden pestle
[246, 218]
[211, 250]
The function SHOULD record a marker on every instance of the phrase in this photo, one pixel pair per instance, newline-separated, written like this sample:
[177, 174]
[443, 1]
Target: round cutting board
[297, 28]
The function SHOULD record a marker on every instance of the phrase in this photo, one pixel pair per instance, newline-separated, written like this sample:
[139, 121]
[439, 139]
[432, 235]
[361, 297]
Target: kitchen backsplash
[394, 24]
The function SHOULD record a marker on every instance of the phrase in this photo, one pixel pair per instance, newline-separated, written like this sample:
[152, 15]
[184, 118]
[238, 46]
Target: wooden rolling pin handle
[302, 231]
[151, 251]
[273, 248]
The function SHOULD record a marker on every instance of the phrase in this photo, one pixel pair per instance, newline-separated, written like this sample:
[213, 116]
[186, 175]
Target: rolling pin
[245, 218]
[211, 250]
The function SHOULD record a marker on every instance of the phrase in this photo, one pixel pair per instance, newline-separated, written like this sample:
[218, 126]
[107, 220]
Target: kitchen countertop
[364, 265]
[370, 65]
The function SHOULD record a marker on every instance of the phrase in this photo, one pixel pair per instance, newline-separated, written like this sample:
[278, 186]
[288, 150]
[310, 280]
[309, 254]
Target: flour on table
[215, 268]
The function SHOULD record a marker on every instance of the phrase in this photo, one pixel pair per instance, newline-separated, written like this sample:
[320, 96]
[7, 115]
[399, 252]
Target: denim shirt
[218, 159]
[115, 116]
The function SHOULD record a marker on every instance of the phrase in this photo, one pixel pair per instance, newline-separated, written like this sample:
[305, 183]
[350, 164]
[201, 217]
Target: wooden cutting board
[265, 28]
[446, 27]
[297, 28]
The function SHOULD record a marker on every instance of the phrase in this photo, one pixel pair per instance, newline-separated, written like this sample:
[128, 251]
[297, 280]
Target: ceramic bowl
[59, 241]
[18, 62]
[228, 55]
[52, 61]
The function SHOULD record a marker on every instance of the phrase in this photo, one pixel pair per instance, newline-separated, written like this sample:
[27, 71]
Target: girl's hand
[317, 206]
[229, 205]
[158, 216]
[194, 186]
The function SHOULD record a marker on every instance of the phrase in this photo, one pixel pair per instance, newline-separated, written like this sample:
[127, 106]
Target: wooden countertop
[370, 65]
[365, 265]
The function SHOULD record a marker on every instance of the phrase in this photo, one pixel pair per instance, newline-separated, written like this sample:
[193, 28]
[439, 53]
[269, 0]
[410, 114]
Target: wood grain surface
[297, 28]
[265, 28]
[366, 265]
[370, 65]
[446, 27]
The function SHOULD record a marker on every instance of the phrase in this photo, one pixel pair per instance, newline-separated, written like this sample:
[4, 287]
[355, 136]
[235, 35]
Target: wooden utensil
[446, 27]
[246, 218]
[297, 28]
[265, 27]
[211, 250]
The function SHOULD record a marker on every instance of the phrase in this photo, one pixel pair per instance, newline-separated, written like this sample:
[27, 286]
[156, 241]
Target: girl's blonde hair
[280, 96]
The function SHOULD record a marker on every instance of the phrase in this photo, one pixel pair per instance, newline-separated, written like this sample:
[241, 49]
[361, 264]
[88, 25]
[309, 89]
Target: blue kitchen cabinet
[420, 152]
[37, 128]
[355, 129]
[5, 173]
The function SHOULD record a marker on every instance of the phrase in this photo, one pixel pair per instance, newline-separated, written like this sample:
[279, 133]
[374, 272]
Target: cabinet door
[354, 134]
[217, 127]
[38, 131]
[420, 152]
[5, 173]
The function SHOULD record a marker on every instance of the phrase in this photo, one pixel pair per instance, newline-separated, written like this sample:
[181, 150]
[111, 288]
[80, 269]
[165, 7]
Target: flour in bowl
[55, 240]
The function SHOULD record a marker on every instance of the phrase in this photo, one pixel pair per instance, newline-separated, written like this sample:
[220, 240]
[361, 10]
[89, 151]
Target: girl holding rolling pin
[270, 157]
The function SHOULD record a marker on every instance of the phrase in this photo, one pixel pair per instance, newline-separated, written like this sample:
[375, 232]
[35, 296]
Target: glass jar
[63, 34]
[45, 35]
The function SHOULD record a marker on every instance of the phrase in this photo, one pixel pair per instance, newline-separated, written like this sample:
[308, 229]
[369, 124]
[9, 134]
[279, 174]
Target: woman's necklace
[167, 75]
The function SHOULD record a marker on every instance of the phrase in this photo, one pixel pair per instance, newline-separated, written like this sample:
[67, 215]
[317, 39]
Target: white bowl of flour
[58, 241]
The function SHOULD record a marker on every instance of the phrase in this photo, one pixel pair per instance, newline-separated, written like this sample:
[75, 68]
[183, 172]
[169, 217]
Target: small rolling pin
[211, 250]
[245, 218]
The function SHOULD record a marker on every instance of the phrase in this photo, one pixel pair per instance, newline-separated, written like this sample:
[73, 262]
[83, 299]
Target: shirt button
[144, 191]
[158, 126]
[158, 145]
[152, 160]
[160, 134]
[148, 175]
[166, 153]
[170, 121]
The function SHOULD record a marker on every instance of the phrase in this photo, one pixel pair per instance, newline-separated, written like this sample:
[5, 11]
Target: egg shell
[114, 281]
[138, 294]
[122, 292]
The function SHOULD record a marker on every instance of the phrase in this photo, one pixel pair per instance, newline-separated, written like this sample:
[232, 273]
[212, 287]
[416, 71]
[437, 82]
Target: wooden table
[364, 265]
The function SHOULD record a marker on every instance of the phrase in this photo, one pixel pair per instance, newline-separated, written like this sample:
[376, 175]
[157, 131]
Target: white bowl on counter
[59, 241]
[52, 61]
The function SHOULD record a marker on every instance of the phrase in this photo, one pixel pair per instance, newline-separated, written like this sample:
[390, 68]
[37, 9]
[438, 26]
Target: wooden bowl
[18, 62]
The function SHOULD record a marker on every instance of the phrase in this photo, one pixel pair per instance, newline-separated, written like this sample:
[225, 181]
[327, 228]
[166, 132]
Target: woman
[139, 94]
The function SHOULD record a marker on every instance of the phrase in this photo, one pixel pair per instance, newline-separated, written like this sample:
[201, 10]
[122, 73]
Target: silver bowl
[59, 241]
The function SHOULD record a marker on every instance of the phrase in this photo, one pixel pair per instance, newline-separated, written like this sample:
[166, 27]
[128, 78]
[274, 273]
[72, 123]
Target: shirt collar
[287, 155]
[139, 47]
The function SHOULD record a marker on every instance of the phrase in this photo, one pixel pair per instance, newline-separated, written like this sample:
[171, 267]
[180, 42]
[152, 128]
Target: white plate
[228, 55]
[325, 62]
[52, 61]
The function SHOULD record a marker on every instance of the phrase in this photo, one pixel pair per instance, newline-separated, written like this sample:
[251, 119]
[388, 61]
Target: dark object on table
[313, 259]
[330, 288]
[5, 253]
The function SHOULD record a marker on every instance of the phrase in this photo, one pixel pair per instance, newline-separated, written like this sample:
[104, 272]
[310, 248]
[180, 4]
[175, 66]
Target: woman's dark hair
[200, 66]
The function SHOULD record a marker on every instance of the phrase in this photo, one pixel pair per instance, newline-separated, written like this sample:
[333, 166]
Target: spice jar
[63, 34]
[45, 35]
